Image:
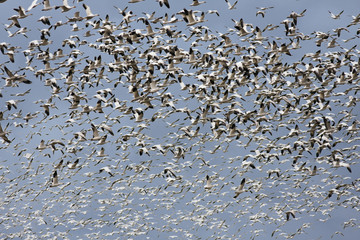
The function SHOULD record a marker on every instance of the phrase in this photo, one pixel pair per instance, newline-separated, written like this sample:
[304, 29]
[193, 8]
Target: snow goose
[240, 189]
[208, 185]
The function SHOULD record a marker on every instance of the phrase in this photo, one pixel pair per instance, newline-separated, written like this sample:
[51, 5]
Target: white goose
[240, 189]
[208, 185]
[89, 14]
[73, 165]
[47, 6]
[106, 169]
[65, 7]
[55, 180]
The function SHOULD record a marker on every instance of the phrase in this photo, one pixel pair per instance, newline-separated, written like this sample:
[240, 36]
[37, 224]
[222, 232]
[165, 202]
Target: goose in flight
[89, 14]
[96, 135]
[42, 145]
[101, 152]
[13, 78]
[240, 189]
[55, 180]
[46, 107]
[58, 166]
[290, 213]
[295, 16]
[164, 2]
[196, 3]
[15, 22]
[208, 185]
[12, 103]
[190, 18]
[246, 164]
[80, 136]
[33, 5]
[313, 171]
[106, 169]
[45, 20]
[337, 163]
[3, 135]
[335, 16]
[65, 7]
[169, 175]
[138, 114]
[22, 12]
[259, 12]
[47, 5]
[73, 165]
[231, 7]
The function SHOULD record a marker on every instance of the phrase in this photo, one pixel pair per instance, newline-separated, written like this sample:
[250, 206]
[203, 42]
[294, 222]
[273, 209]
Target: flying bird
[231, 6]
[208, 185]
[197, 3]
[58, 166]
[55, 180]
[335, 16]
[3, 135]
[240, 189]
[89, 14]
[65, 7]
[106, 169]
[289, 213]
[73, 165]
[164, 3]
[47, 5]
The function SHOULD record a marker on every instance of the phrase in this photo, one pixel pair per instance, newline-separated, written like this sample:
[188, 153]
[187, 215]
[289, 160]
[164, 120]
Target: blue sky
[139, 201]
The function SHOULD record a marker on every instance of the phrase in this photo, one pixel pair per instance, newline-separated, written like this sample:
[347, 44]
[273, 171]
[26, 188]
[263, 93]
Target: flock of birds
[156, 125]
